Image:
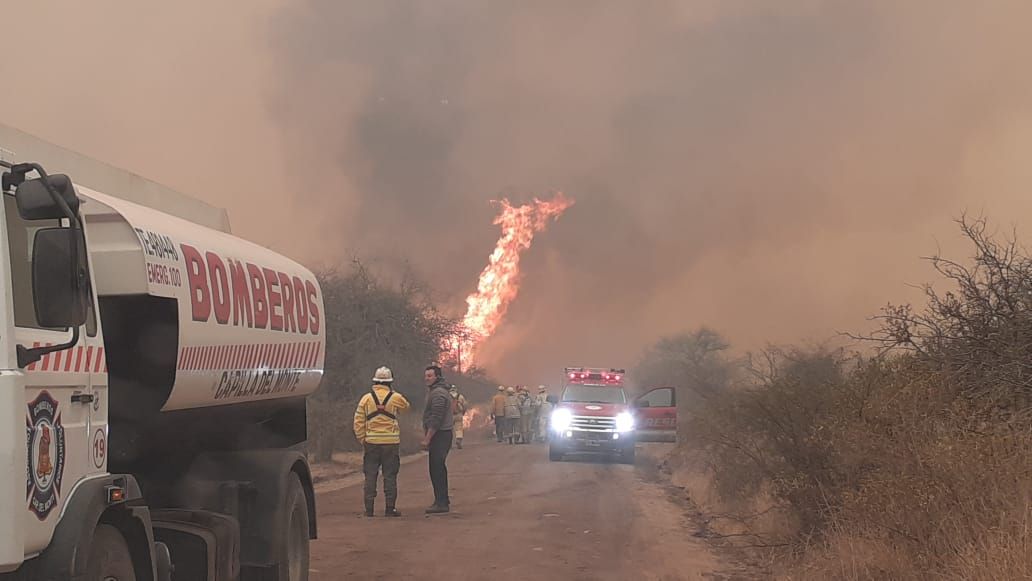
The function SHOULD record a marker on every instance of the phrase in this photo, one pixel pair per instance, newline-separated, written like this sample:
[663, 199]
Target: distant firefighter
[512, 416]
[498, 413]
[458, 414]
[544, 411]
[526, 414]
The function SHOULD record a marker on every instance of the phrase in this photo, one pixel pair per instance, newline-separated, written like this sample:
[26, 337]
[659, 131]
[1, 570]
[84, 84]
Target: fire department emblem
[46, 449]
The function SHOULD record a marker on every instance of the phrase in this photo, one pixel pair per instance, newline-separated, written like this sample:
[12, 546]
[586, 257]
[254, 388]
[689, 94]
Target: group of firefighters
[519, 417]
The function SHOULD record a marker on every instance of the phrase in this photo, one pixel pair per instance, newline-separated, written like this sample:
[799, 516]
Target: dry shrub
[907, 465]
[768, 438]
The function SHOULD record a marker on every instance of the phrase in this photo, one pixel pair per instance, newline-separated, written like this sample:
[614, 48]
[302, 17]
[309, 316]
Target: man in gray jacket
[438, 424]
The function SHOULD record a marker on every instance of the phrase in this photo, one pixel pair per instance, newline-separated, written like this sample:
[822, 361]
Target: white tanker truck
[153, 374]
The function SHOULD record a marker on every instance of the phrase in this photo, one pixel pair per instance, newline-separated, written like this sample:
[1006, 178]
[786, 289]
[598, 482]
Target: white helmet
[383, 375]
[501, 388]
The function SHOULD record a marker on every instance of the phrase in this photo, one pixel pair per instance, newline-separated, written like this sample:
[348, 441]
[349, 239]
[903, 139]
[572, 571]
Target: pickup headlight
[624, 422]
[561, 419]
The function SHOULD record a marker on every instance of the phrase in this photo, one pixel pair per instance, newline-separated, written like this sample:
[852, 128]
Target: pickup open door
[657, 415]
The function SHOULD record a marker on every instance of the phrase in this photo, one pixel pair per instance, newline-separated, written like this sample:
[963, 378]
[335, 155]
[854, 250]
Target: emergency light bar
[594, 376]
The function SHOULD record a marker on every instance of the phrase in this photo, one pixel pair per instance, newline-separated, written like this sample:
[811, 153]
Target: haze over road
[515, 515]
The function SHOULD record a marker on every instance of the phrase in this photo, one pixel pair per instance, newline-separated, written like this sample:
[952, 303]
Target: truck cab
[153, 374]
[594, 416]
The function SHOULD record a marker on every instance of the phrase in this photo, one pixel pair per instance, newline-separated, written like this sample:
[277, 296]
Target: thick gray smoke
[771, 169]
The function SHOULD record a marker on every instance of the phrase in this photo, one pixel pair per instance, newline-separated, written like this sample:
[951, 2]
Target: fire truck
[593, 415]
[153, 372]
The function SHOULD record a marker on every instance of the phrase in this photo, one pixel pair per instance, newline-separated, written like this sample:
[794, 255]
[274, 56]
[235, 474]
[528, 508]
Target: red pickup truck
[594, 415]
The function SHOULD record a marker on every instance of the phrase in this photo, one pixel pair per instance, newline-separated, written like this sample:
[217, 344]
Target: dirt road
[515, 515]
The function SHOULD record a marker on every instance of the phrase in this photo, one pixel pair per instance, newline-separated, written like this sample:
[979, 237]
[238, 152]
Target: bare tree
[979, 331]
[693, 363]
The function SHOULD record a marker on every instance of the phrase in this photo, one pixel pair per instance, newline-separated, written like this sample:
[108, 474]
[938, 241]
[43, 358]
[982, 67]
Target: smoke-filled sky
[771, 169]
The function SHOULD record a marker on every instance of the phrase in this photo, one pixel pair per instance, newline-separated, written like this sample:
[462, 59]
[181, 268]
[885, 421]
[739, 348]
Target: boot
[369, 508]
[391, 512]
[458, 443]
[437, 509]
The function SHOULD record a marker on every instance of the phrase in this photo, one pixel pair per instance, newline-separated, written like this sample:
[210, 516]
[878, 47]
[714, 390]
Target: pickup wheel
[294, 555]
[110, 559]
[554, 455]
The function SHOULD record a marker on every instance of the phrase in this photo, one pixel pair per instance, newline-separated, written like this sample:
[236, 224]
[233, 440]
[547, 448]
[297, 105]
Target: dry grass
[912, 464]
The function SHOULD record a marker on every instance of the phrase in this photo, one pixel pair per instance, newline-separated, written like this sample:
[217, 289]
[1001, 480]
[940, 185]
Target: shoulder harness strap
[381, 406]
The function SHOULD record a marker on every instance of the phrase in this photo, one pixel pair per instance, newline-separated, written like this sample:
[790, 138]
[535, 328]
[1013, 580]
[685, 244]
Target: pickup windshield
[589, 394]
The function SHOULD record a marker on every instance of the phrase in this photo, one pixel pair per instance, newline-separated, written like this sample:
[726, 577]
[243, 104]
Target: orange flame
[499, 282]
[475, 418]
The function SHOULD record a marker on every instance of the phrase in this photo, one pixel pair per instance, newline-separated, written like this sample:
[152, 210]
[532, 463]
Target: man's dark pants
[499, 427]
[388, 457]
[440, 445]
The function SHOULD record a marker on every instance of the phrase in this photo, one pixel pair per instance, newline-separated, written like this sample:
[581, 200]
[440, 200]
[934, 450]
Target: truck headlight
[624, 422]
[561, 419]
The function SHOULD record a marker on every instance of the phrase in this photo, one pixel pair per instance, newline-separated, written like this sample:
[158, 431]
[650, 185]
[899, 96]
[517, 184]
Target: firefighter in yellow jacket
[377, 428]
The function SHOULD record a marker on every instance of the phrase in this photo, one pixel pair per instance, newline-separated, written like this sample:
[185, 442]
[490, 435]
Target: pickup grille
[593, 424]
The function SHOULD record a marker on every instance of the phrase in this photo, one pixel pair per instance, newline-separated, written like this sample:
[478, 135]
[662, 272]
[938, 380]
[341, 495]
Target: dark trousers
[499, 427]
[388, 457]
[440, 445]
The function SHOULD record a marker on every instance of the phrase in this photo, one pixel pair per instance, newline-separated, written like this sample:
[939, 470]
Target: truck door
[657, 414]
[59, 401]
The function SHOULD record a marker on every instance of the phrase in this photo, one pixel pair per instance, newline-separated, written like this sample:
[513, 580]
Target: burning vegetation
[499, 281]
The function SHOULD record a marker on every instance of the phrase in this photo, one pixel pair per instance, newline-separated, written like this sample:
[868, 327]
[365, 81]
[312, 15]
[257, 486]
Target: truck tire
[110, 559]
[294, 559]
[554, 455]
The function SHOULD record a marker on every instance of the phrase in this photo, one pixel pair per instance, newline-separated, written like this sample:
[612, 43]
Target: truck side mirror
[58, 277]
[36, 203]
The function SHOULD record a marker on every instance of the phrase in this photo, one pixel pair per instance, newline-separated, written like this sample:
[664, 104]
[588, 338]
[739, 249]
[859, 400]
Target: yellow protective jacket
[498, 406]
[378, 424]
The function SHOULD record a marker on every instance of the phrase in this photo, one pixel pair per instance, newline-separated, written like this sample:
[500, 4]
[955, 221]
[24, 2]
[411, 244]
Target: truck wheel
[554, 455]
[294, 559]
[110, 559]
